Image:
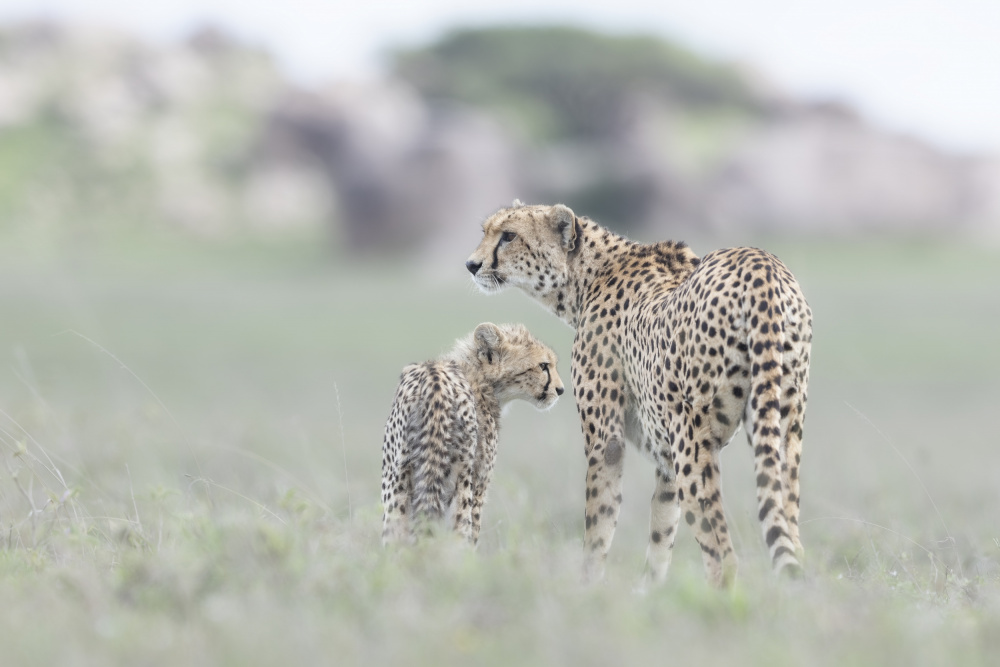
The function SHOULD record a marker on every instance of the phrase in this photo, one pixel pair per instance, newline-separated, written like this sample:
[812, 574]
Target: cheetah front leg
[664, 515]
[604, 497]
[605, 447]
[469, 509]
[600, 403]
[479, 499]
[468, 494]
[464, 502]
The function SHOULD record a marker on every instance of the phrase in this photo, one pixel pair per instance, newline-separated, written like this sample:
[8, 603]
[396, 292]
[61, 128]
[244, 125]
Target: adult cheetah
[441, 435]
[671, 353]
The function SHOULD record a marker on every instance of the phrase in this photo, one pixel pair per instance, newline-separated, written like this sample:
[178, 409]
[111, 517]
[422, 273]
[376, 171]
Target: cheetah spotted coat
[441, 434]
[671, 353]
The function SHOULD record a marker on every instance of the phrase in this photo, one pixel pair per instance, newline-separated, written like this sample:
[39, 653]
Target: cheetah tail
[427, 440]
[763, 421]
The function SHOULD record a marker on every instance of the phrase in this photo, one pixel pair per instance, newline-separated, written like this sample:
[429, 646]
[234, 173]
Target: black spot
[613, 454]
[781, 551]
[765, 509]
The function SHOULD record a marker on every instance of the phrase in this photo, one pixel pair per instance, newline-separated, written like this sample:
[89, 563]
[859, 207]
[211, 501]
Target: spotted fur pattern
[671, 353]
[441, 435]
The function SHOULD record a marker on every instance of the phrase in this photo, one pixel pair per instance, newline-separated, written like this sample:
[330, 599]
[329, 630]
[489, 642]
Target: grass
[189, 474]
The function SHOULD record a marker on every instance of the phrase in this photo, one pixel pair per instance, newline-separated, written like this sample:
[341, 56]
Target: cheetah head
[525, 246]
[518, 365]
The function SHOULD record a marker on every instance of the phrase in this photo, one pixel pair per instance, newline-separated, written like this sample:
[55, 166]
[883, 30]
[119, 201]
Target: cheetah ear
[517, 204]
[563, 220]
[487, 338]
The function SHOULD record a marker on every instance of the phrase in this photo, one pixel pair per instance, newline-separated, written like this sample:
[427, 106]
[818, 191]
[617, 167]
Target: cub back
[441, 435]
[431, 433]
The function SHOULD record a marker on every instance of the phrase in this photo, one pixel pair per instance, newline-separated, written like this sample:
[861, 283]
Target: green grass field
[191, 444]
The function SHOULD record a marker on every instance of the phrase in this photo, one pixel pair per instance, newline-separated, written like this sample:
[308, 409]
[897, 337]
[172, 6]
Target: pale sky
[926, 67]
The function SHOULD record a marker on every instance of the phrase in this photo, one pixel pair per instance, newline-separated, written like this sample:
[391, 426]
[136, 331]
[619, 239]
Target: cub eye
[507, 237]
[545, 367]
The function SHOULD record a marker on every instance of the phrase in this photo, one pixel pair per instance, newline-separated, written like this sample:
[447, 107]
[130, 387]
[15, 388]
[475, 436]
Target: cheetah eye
[507, 237]
[545, 367]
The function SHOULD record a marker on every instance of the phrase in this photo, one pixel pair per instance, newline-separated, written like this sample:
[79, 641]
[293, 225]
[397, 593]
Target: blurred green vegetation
[103, 135]
[558, 83]
[49, 167]
[191, 442]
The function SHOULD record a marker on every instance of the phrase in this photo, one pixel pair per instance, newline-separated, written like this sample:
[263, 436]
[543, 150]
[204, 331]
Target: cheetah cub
[441, 435]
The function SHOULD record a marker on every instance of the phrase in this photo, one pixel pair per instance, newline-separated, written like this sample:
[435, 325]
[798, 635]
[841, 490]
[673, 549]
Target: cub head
[517, 364]
[525, 246]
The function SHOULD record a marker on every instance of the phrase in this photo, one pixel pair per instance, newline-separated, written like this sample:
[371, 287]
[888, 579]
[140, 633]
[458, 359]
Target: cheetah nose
[473, 266]
[560, 391]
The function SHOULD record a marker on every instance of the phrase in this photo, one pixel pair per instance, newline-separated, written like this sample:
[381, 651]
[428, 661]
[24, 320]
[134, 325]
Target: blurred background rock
[103, 133]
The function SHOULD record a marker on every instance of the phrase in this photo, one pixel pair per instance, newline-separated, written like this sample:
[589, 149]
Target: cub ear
[563, 220]
[517, 204]
[487, 338]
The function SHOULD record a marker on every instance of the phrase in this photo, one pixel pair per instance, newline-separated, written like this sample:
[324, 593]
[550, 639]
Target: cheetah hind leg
[396, 527]
[664, 515]
[702, 508]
